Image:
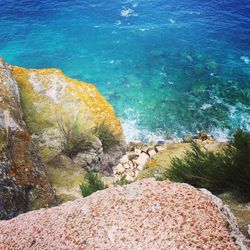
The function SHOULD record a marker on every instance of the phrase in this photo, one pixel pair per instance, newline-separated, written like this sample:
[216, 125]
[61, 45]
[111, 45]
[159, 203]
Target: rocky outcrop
[144, 215]
[48, 98]
[23, 184]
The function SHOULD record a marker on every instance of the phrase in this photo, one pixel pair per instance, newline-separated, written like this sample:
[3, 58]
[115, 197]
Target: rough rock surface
[49, 97]
[23, 184]
[144, 215]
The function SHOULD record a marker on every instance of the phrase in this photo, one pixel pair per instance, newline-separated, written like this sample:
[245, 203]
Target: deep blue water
[166, 66]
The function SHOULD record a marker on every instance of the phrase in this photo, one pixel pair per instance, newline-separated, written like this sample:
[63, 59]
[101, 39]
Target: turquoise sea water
[166, 66]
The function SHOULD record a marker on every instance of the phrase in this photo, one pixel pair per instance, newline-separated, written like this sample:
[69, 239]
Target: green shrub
[94, 183]
[74, 140]
[123, 181]
[228, 170]
[106, 136]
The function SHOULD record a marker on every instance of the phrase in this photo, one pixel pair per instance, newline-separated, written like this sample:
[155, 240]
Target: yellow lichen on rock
[52, 92]
[48, 96]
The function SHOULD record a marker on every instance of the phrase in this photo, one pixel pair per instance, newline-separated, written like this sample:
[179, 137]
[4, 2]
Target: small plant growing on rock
[94, 183]
[106, 136]
[75, 140]
[123, 181]
[228, 170]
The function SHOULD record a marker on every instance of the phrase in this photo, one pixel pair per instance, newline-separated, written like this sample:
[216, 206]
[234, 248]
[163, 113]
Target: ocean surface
[169, 68]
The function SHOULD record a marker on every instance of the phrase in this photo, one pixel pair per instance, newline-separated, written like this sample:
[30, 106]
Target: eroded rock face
[23, 184]
[143, 215]
[49, 97]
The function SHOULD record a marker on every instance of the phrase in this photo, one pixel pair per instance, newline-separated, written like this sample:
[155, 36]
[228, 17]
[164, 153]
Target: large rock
[23, 184]
[49, 97]
[142, 159]
[144, 215]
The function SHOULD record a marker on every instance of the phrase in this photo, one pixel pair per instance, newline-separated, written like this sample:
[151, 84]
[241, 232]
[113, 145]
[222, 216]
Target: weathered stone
[127, 166]
[142, 159]
[131, 164]
[140, 167]
[146, 215]
[23, 183]
[202, 135]
[130, 178]
[131, 155]
[144, 149]
[97, 144]
[50, 100]
[120, 168]
[124, 159]
[187, 139]
[136, 173]
[151, 152]
[137, 151]
[159, 148]
[131, 173]
[160, 143]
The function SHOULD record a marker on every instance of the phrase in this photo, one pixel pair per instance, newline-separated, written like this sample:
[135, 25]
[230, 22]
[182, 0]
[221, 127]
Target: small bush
[94, 183]
[123, 181]
[74, 140]
[218, 172]
[106, 136]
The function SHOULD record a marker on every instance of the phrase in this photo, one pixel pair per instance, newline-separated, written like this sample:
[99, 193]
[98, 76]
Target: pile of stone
[134, 161]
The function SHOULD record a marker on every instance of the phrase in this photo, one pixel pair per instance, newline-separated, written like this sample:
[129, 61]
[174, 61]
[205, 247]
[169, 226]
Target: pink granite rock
[143, 215]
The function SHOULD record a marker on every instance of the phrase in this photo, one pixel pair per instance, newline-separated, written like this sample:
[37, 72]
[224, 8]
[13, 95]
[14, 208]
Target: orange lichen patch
[52, 93]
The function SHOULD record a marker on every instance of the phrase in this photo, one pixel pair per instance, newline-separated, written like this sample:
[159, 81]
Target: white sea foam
[128, 12]
[206, 106]
[118, 22]
[135, 133]
[245, 59]
[171, 20]
[220, 134]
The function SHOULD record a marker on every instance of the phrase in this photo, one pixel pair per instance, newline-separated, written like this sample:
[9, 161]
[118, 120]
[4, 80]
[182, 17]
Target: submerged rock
[23, 183]
[143, 215]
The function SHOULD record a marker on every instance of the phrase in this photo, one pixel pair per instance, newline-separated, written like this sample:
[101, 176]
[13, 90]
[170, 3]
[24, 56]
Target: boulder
[137, 151]
[159, 148]
[124, 159]
[187, 139]
[23, 183]
[202, 135]
[142, 159]
[131, 155]
[151, 152]
[140, 167]
[51, 100]
[119, 169]
[130, 178]
[127, 166]
[147, 214]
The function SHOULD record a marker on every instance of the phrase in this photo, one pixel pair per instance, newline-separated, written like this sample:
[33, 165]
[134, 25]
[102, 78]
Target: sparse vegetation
[74, 139]
[123, 181]
[106, 136]
[228, 170]
[94, 183]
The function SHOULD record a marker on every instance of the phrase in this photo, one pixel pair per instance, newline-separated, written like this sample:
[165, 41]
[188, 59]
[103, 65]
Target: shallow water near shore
[171, 67]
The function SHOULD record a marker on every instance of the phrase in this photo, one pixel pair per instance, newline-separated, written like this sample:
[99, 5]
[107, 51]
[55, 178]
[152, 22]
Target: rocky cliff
[23, 183]
[144, 215]
[48, 97]
[33, 106]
